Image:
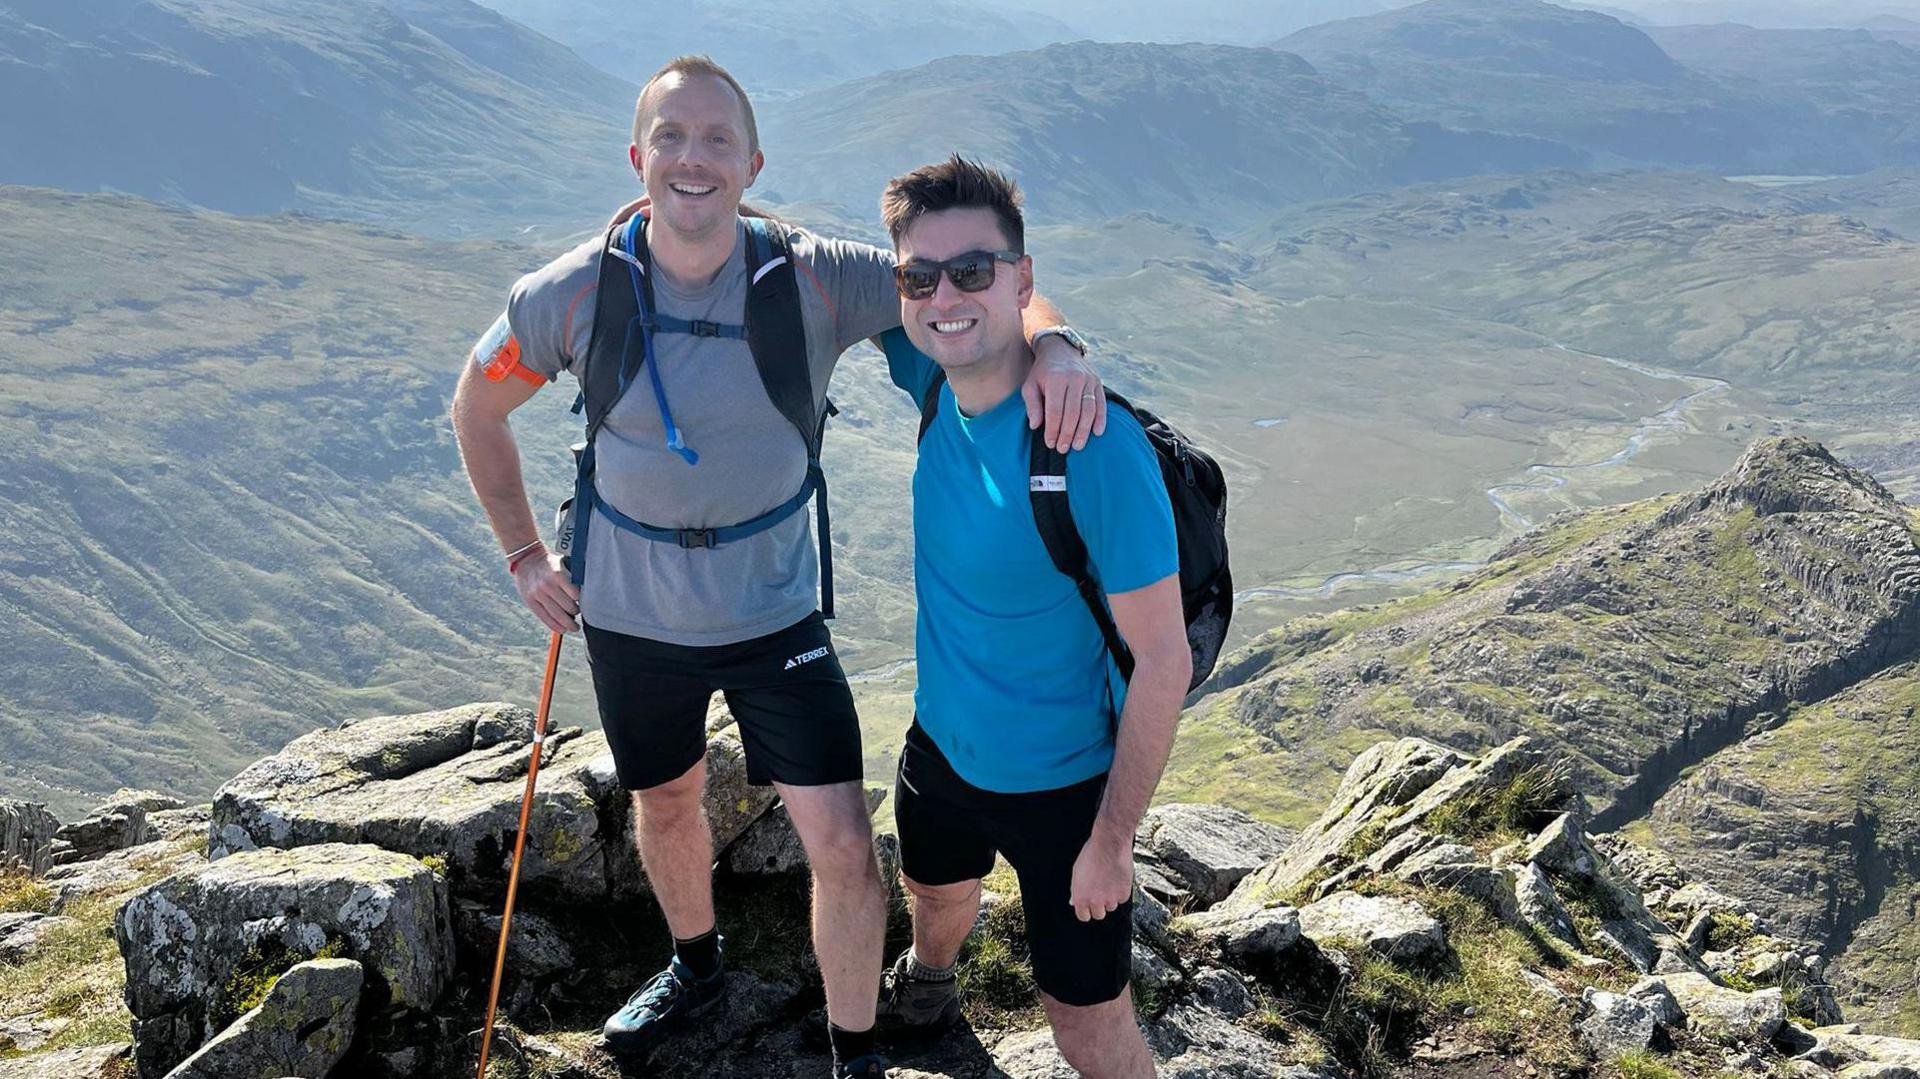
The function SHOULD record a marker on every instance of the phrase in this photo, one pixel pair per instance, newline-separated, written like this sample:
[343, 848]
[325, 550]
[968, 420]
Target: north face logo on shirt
[805, 657]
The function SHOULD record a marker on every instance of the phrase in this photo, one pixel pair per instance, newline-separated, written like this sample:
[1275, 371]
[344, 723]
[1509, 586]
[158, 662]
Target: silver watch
[1064, 333]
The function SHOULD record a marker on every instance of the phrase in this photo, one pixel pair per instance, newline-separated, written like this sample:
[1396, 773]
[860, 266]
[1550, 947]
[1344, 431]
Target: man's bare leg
[676, 848]
[943, 915]
[849, 901]
[1102, 1041]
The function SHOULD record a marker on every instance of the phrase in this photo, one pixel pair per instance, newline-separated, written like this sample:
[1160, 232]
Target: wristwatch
[1064, 333]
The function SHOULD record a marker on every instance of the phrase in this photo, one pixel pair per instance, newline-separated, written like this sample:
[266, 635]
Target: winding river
[1544, 477]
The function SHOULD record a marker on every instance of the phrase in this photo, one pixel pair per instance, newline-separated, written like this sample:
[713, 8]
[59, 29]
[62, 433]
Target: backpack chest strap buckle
[696, 538]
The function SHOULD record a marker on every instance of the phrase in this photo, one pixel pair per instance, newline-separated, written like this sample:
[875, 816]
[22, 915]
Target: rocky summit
[1636, 801]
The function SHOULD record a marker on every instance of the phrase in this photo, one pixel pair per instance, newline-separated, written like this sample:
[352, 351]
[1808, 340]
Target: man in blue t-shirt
[1013, 750]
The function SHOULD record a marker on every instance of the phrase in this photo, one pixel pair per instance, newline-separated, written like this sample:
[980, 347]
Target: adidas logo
[806, 657]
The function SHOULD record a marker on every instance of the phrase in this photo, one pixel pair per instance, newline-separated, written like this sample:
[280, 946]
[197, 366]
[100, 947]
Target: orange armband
[498, 355]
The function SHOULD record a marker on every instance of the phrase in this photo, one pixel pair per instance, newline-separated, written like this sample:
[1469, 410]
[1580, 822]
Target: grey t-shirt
[750, 458]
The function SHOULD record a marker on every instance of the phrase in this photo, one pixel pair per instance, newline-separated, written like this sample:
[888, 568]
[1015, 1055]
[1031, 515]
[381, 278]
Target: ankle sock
[849, 1045]
[701, 955]
[921, 972]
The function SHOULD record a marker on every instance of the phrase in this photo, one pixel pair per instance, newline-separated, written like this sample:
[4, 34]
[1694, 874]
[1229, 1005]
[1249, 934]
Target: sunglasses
[971, 272]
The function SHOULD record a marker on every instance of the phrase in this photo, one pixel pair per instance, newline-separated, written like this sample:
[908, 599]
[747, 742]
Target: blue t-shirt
[1015, 683]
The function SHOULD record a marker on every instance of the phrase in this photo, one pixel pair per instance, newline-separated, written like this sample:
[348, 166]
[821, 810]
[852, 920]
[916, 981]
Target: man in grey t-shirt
[666, 624]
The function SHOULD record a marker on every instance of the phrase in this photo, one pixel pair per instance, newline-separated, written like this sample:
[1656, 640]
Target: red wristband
[513, 564]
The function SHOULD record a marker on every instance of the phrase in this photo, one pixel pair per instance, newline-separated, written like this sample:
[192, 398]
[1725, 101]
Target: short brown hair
[686, 66]
[952, 184]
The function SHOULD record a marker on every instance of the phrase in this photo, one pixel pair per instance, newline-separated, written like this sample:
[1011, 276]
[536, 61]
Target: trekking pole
[519, 843]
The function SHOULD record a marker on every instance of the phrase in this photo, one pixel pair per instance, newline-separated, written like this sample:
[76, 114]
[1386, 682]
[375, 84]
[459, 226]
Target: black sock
[849, 1045]
[701, 955]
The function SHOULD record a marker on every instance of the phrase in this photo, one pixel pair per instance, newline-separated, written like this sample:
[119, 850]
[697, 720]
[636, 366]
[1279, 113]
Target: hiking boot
[909, 1005]
[866, 1067]
[673, 996]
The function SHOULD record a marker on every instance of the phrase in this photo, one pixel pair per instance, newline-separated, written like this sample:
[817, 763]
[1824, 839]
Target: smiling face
[694, 152]
[964, 330]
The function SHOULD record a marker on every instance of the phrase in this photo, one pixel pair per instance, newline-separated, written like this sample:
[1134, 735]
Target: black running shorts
[786, 690]
[950, 831]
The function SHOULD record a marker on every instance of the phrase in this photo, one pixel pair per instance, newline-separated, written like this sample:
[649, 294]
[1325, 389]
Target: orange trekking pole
[519, 844]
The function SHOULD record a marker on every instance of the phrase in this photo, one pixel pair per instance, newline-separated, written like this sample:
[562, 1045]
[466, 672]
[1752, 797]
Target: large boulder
[1397, 929]
[303, 1027]
[1244, 937]
[1385, 778]
[26, 836]
[771, 847]
[119, 870]
[185, 938]
[448, 785]
[1391, 789]
[120, 822]
[1616, 1024]
[1204, 850]
[1728, 1016]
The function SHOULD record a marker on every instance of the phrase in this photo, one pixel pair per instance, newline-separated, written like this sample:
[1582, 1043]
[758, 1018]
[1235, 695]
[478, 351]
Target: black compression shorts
[950, 831]
[786, 690]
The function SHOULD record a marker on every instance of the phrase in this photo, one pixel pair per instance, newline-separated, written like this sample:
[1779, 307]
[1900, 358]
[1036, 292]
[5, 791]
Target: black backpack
[1197, 490]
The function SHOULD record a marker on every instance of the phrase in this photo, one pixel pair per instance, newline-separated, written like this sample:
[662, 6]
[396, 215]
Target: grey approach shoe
[909, 1005]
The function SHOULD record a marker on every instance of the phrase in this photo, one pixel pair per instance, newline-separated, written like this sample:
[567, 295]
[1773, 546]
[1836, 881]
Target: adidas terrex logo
[806, 657]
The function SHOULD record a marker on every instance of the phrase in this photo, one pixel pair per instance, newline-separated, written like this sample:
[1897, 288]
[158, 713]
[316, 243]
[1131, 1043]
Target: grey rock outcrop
[303, 1027]
[115, 824]
[1395, 928]
[184, 938]
[26, 836]
[1203, 850]
[1728, 1016]
[448, 784]
[90, 1062]
[1616, 1024]
[22, 932]
[1244, 937]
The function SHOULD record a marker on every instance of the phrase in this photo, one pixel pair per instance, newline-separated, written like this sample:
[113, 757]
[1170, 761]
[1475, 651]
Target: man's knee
[842, 850]
[1091, 1036]
[965, 891]
[675, 802]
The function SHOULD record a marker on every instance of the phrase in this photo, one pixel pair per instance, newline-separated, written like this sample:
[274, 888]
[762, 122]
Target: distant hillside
[1865, 86]
[1197, 133]
[436, 115]
[776, 47]
[1587, 81]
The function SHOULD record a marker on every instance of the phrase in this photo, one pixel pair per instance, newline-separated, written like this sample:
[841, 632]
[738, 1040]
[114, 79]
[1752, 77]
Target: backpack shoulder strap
[776, 331]
[614, 351]
[930, 403]
[1053, 516]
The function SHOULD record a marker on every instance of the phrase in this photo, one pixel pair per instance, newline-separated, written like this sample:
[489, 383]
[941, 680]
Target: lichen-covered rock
[1205, 849]
[449, 784]
[1540, 907]
[184, 938]
[26, 836]
[115, 824]
[1395, 928]
[91, 1062]
[1389, 790]
[1187, 1043]
[1653, 992]
[1728, 1016]
[21, 932]
[117, 870]
[1244, 937]
[303, 1027]
[770, 846]
[1616, 1024]
[1385, 777]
